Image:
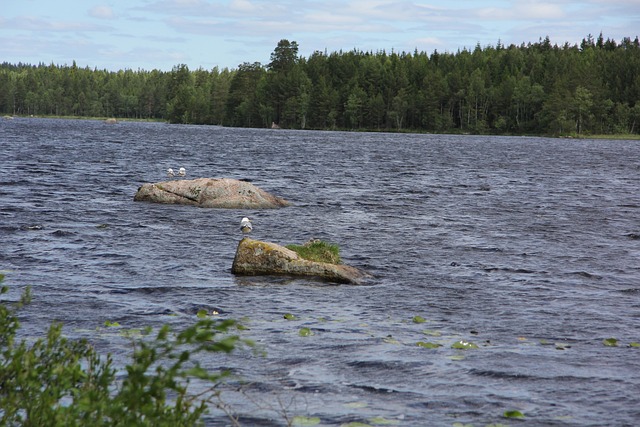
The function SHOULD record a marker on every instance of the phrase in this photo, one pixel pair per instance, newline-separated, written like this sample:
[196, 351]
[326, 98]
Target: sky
[160, 34]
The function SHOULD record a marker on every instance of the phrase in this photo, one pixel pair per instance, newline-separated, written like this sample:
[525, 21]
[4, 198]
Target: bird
[170, 172]
[245, 225]
[182, 172]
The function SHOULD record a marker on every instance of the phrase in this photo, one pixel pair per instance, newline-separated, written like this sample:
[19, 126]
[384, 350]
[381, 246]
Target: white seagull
[245, 225]
[182, 171]
[170, 173]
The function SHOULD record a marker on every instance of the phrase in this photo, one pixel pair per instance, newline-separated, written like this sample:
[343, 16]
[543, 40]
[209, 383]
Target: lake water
[527, 247]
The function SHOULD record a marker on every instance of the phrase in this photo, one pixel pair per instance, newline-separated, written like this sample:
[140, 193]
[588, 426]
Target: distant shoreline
[618, 137]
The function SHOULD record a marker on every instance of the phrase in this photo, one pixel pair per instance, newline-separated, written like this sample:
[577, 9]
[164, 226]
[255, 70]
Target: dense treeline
[536, 88]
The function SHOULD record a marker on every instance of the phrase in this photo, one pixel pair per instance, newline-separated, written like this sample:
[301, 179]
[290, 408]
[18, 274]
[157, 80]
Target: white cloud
[519, 12]
[101, 12]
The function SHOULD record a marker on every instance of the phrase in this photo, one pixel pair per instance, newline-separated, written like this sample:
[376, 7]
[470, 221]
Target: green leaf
[432, 333]
[289, 316]
[513, 414]
[634, 344]
[202, 314]
[419, 319]
[610, 342]
[428, 344]
[109, 324]
[464, 345]
[305, 332]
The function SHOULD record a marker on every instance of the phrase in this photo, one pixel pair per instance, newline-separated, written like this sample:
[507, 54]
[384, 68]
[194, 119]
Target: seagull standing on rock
[182, 171]
[245, 225]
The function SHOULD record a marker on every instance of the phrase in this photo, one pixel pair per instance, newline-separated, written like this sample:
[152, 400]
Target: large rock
[254, 257]
[209, 193]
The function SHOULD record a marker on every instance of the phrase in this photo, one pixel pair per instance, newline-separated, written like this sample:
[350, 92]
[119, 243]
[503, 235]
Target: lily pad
[610, 342]
[634, 344]
[379, 421]
[464, 345]
[109, 324]
[289, 316]
[391, 340]
[428, 344]
[305, 421]
[419, 319]
[355, 424]
[513, 414]
[432, 333]
[305, 332]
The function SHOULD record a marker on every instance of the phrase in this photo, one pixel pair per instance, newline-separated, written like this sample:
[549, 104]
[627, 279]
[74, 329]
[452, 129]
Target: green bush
[55, 381]
[318, 250]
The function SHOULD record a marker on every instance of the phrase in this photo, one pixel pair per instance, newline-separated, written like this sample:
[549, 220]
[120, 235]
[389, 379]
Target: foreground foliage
[55, 381]
[534, 88]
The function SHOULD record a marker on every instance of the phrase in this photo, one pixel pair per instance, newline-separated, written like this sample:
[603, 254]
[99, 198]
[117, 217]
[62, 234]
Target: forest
[531, 89]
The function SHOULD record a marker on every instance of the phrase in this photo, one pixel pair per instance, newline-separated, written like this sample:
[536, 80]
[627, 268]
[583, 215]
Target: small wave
[501, 375]
[508, 270]
[62, 233]
[585, 274]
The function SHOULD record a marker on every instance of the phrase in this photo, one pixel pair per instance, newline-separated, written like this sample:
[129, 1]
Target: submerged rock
[255, 257]
[209, 193]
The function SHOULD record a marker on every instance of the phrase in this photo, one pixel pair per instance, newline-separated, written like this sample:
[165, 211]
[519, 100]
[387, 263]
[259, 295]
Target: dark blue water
[527, 247]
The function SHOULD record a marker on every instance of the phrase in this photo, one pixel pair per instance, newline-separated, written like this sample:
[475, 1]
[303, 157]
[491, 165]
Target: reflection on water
[523, 246]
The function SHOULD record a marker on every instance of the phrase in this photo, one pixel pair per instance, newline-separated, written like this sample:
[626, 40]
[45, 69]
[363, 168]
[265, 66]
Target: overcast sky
[159, 34]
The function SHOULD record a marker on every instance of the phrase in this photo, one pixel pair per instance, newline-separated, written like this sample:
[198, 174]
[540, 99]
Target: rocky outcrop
[209, 193]
[254, 258]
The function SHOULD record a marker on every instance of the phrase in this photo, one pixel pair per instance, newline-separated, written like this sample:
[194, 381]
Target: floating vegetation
[355, 424]
[419, 319]
[562, 346]
[110, 324]
[610, 342]
[390, 340]
[290, 316]
[634, 344]
[380, 421]
[305, 332]
[300, 421]
[424, 344]
[318, 251]
[356, 405]
[464, 345]
[513, 414]
[432, 333]
[101, 226]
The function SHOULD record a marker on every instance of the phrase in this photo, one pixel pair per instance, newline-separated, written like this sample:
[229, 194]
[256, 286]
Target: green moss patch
[318, 251]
